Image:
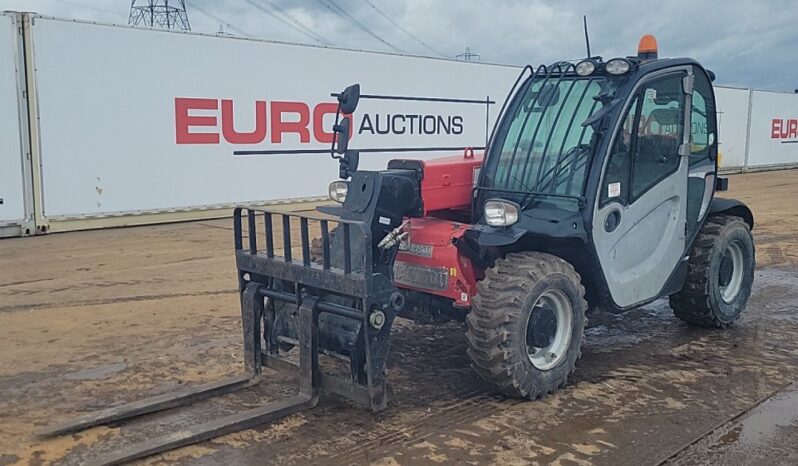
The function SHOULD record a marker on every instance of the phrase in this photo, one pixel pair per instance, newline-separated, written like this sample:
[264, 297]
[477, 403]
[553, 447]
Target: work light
[585, 68]
[500, 213]
[338, 190]
[617, 66]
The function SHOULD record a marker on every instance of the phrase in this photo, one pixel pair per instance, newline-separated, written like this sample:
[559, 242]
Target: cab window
[702, 121]
[646, 148]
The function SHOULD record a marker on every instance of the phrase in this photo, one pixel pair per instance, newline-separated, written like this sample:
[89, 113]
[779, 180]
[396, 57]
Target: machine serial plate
[419, 276]
[423, 250]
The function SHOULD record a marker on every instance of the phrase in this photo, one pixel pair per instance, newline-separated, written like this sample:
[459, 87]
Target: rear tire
[721, 273]
[511, 339]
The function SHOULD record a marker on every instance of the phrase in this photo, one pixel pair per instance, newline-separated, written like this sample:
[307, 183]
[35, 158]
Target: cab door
[640, 212]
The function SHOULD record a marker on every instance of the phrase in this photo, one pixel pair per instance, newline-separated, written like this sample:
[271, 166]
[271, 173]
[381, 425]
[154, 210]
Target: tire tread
[495, 316]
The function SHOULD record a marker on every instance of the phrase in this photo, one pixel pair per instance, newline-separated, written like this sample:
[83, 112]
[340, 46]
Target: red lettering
[319, 112]
[775, 129]
[792, 132]
[183, 121]
[318, 121]
[298, 123]
[228, 126]
[279, 126]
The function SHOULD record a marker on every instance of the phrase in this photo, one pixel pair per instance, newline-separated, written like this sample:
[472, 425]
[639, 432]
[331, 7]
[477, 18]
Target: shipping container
[144, 121]
[773, 131]
[732, 111]
[112, 125]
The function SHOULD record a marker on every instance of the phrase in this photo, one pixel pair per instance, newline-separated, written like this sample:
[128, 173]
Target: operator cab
[610, 164]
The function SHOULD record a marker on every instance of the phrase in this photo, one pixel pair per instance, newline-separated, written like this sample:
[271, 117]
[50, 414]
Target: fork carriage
[359, 332]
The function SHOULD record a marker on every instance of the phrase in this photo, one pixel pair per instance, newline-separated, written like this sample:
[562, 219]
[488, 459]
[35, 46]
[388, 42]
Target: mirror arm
[335, 134]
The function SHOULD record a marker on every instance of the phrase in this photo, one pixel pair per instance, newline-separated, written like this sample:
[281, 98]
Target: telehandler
[596, 190]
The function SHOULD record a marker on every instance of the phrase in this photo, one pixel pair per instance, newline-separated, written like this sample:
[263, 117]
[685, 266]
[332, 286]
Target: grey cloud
[747, 43]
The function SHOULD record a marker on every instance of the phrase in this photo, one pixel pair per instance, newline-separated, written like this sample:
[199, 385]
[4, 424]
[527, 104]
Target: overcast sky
[747, 43]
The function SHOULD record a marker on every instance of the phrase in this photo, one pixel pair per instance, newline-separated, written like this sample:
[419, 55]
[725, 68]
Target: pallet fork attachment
[258, 274]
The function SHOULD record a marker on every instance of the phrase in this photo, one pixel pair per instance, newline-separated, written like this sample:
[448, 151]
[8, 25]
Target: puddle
[762, 423]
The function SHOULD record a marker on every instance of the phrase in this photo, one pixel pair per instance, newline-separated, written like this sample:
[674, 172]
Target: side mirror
[347, 165]
[342, 135]
[349, 99]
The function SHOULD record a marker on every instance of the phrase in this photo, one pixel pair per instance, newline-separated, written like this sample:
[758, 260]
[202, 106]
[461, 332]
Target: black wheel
[721, 273]
[526, 324]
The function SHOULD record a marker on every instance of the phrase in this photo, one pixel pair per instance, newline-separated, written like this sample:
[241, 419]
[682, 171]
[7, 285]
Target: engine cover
[447, 183]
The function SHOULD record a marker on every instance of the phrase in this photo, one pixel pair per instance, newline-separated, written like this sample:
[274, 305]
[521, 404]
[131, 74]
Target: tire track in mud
[689, 368]
[469, 407]
[121, 299]
[612, 386]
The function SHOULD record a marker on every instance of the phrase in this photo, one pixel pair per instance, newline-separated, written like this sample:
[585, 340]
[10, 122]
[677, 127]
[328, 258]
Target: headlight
[585, 68]
[617, 66]
[338, 191]
[499, 213]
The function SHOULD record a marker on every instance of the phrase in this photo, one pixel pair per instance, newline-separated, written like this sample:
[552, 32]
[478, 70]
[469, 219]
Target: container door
[12, 186]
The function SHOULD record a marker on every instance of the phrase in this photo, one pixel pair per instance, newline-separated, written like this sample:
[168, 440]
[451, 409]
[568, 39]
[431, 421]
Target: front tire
[526, 324]
[721, 274]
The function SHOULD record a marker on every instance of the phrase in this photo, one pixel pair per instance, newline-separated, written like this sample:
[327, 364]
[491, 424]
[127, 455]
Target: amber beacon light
[647, 49]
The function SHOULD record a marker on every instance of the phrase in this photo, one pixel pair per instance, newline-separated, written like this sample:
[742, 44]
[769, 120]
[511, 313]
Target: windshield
[541, 146]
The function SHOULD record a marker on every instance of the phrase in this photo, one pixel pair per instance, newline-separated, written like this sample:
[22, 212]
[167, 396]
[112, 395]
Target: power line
[384, 15]
[296, 21]
[282, 20]
[332, 6]
[117, 13]
[220, 20]
[390, 8]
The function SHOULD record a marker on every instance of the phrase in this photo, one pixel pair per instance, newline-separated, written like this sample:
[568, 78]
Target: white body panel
[12, 185]
[640, 252]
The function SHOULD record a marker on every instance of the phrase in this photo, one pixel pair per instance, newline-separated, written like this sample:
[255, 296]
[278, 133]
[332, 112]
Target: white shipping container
[132, 121]
[12, 184]
[732, 111]
[146, 120]
[774, 129]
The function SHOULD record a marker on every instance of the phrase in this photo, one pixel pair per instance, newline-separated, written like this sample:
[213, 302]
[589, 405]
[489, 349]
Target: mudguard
[733, 207]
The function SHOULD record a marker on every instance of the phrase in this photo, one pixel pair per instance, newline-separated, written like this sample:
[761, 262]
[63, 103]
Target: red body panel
[429, 254]
[449, 181]
[428, 260]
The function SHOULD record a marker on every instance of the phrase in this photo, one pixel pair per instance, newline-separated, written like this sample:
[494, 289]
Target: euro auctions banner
[139, 120]
[142, 120]
[774, 129]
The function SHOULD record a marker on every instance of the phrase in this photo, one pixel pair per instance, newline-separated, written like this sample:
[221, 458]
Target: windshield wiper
[572, 156]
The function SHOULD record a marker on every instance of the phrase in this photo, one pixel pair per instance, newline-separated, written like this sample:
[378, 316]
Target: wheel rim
[548, 330]
[730, 276]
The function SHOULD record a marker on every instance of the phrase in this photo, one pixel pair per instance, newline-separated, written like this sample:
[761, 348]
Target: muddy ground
[95, 318]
